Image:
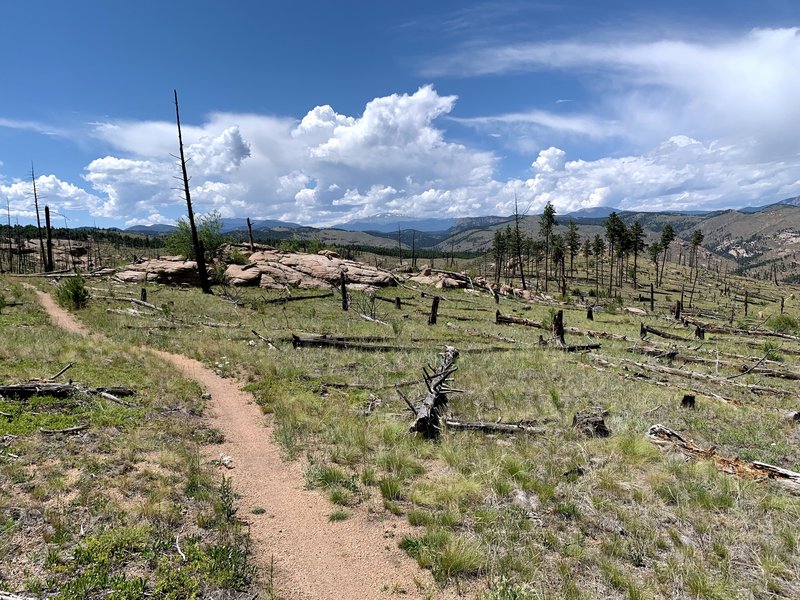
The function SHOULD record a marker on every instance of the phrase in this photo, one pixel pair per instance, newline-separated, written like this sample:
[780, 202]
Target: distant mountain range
[751, 239]
[387, 223]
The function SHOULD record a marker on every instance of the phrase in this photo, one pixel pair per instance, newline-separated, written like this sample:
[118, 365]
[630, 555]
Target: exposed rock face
[315, 270]
[268, 268]
[165, 270]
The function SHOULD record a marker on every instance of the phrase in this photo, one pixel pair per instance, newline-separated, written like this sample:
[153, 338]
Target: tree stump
[591, 424]
[434, 310]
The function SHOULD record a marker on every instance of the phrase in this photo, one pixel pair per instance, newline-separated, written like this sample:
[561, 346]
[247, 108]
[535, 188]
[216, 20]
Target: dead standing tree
[429, 412]
[38, 220]
[199, 251]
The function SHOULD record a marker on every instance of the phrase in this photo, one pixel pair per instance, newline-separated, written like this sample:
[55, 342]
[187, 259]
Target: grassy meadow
[125, 508]
[557, 514]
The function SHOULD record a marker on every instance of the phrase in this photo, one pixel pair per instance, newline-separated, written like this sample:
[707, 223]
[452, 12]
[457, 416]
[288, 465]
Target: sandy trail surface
[295, 546]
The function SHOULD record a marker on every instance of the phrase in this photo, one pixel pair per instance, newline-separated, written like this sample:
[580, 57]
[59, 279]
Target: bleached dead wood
[756, 389]
[268, 341]
[68, 430]
[664, 437]
[490, 427]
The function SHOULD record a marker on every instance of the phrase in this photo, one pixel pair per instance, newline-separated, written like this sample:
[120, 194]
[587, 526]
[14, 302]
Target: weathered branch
[76, 429]
[489, 427]
[662, 436]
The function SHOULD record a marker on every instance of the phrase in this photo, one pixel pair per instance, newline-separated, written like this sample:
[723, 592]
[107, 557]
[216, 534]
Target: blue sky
[322, 112]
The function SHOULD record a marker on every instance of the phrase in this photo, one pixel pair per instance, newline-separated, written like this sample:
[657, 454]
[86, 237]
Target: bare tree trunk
[250, 234]
[49, 262]
[38, 219]
[198, 248]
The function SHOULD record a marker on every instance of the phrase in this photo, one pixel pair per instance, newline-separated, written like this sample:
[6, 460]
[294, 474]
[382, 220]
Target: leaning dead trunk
[199, 252]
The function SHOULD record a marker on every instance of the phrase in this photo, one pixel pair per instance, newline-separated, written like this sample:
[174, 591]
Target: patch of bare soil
[313, 558]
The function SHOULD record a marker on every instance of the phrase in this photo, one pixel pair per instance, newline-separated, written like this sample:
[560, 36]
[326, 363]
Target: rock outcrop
[167, 269]
[268, 268]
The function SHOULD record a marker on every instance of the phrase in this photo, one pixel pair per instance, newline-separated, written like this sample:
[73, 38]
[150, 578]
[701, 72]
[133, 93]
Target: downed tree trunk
[662, 436]
[501, 319]
[709, 327]
[58, 390]
[68, 430]
[429, 411]
[756, 389]
[331, 342]
[645, 329]
[285, 299]
[489, 427]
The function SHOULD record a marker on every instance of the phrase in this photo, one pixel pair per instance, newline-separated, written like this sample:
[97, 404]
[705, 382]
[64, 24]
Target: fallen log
[660, 382]
[501, 319]
[767, 372]
[131, 300]
[285, 299]
[710, 327]
[756, 389]
[662, 436]
[511, 320]
[76, 429]
[579, 347]
[58, 390]
[428, 413]
[489, 427]
[268, 341]
[476, 333]
[330, 342]
[646, 329]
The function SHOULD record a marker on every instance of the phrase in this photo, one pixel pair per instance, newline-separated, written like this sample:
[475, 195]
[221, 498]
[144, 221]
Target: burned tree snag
[250, 234]
[143, 295]
[700, 333]
[434, 310]
[343, 286]
[678, 309]
[590, 314]
[429, 412]
[652, 299]
[199, 253]
[558, 329]
[48, 265]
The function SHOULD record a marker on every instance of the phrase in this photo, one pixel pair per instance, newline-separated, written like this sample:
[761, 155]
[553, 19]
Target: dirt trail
[314, 558]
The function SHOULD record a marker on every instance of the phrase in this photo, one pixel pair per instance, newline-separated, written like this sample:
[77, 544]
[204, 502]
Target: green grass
[113, 498]
[637, 522]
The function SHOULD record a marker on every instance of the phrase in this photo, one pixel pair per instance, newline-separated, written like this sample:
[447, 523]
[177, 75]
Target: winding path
[314, 559]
